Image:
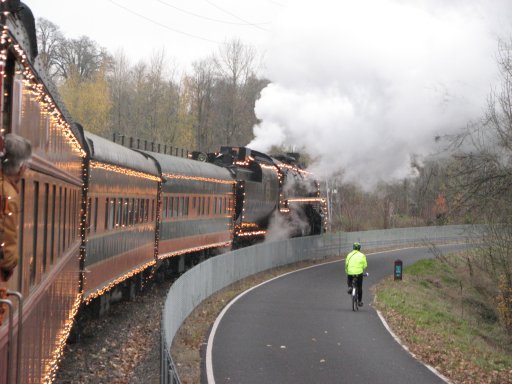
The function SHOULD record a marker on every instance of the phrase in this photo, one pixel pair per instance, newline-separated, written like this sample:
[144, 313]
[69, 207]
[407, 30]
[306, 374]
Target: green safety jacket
[355, 263]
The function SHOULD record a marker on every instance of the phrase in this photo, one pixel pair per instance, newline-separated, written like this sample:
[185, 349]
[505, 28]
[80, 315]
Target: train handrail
[11, 378]
[19, 296]
[10, 354]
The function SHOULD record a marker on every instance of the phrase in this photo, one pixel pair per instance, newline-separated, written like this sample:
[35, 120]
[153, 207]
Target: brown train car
[196, 209]
[122, 206]
[47, 275]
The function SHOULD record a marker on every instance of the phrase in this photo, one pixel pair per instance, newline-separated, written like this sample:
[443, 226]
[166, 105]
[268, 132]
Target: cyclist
[355, 264]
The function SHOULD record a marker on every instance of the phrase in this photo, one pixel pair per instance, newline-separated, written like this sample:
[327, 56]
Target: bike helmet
[356, 246]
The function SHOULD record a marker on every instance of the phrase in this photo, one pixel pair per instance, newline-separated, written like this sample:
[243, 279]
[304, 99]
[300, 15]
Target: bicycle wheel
[355, 307]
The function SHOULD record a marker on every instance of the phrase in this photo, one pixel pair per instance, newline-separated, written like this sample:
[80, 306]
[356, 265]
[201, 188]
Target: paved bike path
[300, 328]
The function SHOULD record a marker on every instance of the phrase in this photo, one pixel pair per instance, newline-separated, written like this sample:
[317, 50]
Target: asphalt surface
[300, 328]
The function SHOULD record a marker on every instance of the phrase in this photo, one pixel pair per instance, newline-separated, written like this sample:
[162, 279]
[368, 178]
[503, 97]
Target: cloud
[364, 85]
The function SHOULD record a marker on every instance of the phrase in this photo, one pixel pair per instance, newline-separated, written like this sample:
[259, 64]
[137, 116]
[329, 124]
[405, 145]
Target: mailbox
[398, 269]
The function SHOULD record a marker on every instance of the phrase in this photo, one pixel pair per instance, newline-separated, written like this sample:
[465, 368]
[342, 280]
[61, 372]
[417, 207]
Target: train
[98, 218]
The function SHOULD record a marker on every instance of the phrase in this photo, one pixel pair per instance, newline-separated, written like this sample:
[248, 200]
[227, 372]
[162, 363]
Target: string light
[120, 279]
[197, 178]
[124, 171]
[252, 233]
[194, 249]
[307, 200]
[51, 368]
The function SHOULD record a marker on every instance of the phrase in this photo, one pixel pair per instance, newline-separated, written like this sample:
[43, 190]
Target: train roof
[106, 151]
[187, 167]
[21, 26]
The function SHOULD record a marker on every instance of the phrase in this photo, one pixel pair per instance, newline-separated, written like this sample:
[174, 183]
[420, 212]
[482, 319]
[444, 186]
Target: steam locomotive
[97, 217]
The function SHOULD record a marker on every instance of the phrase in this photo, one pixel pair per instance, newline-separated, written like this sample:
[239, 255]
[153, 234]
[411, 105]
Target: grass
[446, 322]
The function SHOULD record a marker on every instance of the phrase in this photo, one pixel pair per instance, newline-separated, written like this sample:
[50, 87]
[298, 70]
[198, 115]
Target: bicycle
[354, 294]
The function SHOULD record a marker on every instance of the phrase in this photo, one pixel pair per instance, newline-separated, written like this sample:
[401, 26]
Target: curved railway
[97, 218]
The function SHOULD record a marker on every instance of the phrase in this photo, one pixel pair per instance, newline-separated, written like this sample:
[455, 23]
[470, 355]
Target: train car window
[45, 224]
[75, 214]
[131, 203]
[72, 206]
[174, 203]
[33, 258]
[88, 219]
[125, 212]
[185, 212]
[21, 232]
[214, 205]
[95, 221]
[59, 225]
[164, 212]
[208, 201]
[120, 212]
[117, 213]
[130, 211]
[107, 211]
[182, 208]
[152, 210]
[64, 218]
[72, 216]
[194, 203]
[52, 237]
[112, 214]
[146, 213]
[16, 101]
[202, 206]
[69, 218]
[136, 211]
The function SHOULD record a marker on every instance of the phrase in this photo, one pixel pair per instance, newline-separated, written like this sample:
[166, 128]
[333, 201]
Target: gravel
[121, 347]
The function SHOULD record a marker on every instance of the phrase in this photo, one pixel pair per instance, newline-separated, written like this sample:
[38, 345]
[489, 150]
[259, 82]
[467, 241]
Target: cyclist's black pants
[359, 282]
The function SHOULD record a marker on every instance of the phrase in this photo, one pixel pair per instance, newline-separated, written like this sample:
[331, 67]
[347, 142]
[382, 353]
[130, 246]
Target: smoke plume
[363, 85]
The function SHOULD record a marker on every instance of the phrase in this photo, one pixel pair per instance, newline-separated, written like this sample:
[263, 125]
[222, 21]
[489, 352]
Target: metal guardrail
[216, 273]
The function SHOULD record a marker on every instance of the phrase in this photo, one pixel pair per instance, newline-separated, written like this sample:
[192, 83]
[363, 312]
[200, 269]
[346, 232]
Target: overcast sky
[361, 85]
[188, 30]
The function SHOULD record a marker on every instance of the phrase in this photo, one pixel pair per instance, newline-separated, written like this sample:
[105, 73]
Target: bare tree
[121, 89]
[49, 38]
[201, 85]
[234, 106]
[482, 182]
[81, 56]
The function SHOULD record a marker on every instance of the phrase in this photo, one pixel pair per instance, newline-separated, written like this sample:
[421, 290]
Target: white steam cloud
[362, 85]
